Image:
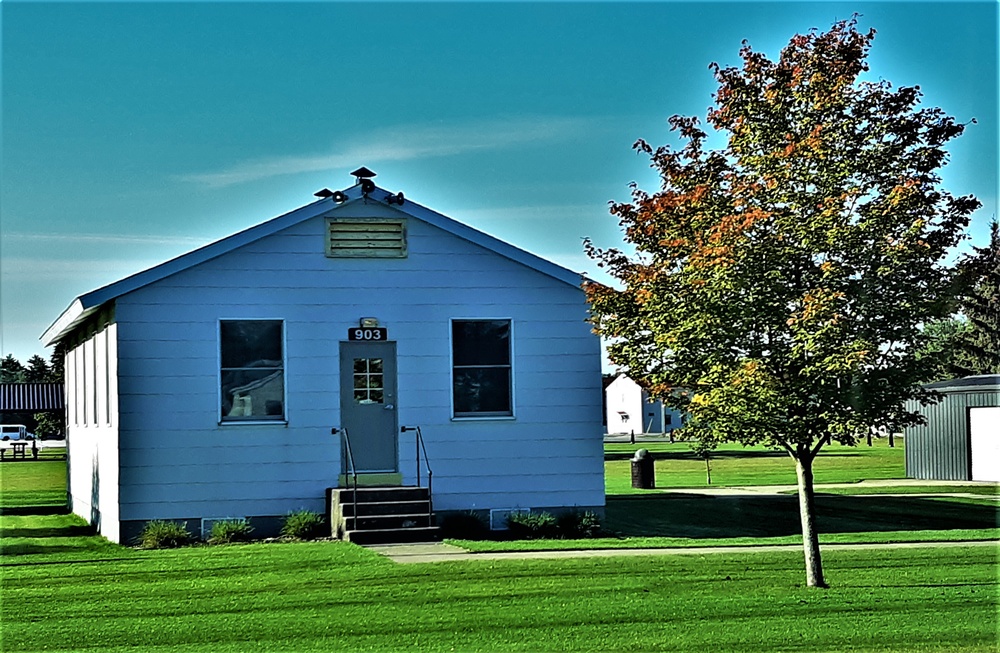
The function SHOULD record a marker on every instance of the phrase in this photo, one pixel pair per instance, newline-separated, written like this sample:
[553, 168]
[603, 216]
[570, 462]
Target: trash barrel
[642, 470]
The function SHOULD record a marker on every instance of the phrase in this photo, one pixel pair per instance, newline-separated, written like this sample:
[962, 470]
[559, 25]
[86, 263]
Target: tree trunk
[810, 538]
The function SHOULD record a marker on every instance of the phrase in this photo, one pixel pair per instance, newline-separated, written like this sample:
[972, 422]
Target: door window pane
[481, 368]
[369, 382]
[253, 371]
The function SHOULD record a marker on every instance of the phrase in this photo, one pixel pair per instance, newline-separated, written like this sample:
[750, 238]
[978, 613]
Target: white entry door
[984, 443]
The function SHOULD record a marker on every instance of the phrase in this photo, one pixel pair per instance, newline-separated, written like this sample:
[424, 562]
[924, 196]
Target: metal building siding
[30, 397]
[939, 449]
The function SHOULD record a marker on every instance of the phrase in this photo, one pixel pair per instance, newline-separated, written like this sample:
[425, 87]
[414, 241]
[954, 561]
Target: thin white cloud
[401, 144]
[87, 273]
[109, 239]
[532, 212]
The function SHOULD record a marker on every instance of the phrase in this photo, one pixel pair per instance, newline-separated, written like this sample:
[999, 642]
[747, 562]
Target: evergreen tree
[977, 349]
[57, 364]
[11, 370]
[37, 370]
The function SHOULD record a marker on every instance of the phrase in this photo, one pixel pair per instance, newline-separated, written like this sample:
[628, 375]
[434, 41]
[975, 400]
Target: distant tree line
[37, 370]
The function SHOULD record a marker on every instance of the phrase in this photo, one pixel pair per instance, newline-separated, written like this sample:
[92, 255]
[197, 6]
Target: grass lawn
[335, 596]
[33, 483]
[686, 520]
[64, 589]
[734, 465]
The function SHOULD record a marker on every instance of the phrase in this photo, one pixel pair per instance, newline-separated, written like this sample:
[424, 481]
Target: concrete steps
[382, 515]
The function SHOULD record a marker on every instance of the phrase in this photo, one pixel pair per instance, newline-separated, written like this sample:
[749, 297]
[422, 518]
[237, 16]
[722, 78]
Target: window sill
[485, 418]
[255, 422]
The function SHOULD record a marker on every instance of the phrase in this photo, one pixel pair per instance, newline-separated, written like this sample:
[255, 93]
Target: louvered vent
[373, 238]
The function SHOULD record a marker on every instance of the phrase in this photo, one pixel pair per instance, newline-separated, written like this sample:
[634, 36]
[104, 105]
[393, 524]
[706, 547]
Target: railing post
[420, 445]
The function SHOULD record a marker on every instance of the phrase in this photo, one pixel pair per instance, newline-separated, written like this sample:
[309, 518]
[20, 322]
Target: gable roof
[979, 383]
[87, 304]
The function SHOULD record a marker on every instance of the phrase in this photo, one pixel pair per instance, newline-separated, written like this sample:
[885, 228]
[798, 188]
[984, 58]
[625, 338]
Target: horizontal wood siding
[178, 461]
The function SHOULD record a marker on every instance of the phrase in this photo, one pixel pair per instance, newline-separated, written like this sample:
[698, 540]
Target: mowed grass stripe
[73, 591]
[337, 596]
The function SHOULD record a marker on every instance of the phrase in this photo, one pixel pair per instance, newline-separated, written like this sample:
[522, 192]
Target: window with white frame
[252, 374]
[481, 368]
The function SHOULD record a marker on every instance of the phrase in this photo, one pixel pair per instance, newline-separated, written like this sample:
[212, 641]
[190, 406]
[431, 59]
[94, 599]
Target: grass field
[676, 466]
[64, 589]
[339, 597]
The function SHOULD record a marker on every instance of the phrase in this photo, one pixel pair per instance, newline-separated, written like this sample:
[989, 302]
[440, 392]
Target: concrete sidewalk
[441, 552]
[819, 487]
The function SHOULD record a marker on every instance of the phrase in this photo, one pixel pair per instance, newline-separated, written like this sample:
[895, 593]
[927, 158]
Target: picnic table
[19, 449]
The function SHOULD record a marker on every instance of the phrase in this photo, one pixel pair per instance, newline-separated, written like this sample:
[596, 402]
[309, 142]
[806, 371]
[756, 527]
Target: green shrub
[228, 531]
[465, 526]
[579, 525]
[532, 525]
[159, 534]
[304, 525]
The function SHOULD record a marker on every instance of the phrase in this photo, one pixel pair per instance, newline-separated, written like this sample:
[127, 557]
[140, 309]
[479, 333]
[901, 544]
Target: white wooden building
[206, 387]
[631, 410]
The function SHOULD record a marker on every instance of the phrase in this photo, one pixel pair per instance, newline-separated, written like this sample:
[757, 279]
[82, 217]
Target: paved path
[441, 552]
[819, 487]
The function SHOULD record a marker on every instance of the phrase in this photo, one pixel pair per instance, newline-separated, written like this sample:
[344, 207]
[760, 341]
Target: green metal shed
[961, 439]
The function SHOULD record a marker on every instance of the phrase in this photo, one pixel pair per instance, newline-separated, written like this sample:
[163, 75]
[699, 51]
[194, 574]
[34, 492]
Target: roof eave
[87, 304]
[494, 244]
[73, 315]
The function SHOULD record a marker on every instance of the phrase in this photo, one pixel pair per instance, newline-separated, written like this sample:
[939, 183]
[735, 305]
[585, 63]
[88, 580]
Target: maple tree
[778, 284]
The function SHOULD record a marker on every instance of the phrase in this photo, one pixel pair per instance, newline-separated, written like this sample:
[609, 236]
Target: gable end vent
[372, 238]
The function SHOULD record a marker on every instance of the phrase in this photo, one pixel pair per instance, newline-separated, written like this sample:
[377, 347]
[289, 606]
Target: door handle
[388, 407]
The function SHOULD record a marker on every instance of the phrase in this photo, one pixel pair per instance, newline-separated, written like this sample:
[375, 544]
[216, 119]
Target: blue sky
[134, 132]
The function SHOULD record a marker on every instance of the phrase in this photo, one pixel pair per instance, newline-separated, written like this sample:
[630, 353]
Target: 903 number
[367, 334]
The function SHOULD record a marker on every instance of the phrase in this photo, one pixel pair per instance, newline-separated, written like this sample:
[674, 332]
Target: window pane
[251, 343]
[482, 390]
[481, 342]
[252, 374]
[258, 394]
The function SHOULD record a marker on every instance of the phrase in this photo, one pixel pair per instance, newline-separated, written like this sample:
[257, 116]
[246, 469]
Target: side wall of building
[179, 462]
[625, 409]
[939, 449]
[92, 425]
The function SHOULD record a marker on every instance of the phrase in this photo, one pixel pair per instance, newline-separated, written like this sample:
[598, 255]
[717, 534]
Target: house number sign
[368, 333]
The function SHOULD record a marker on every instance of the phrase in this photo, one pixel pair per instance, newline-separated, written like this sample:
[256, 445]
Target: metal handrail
[350, 457]
[427, 462]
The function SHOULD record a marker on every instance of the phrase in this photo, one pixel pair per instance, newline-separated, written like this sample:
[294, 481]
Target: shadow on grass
[34, 549]
[690, 455]
[69, 530]
[700, 516]
[34, 510]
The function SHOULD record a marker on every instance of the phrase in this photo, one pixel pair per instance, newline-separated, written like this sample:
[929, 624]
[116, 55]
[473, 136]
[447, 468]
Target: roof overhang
[74, 314]
[86, 305]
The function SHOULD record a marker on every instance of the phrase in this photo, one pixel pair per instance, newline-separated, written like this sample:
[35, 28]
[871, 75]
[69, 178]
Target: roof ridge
[88, 303]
